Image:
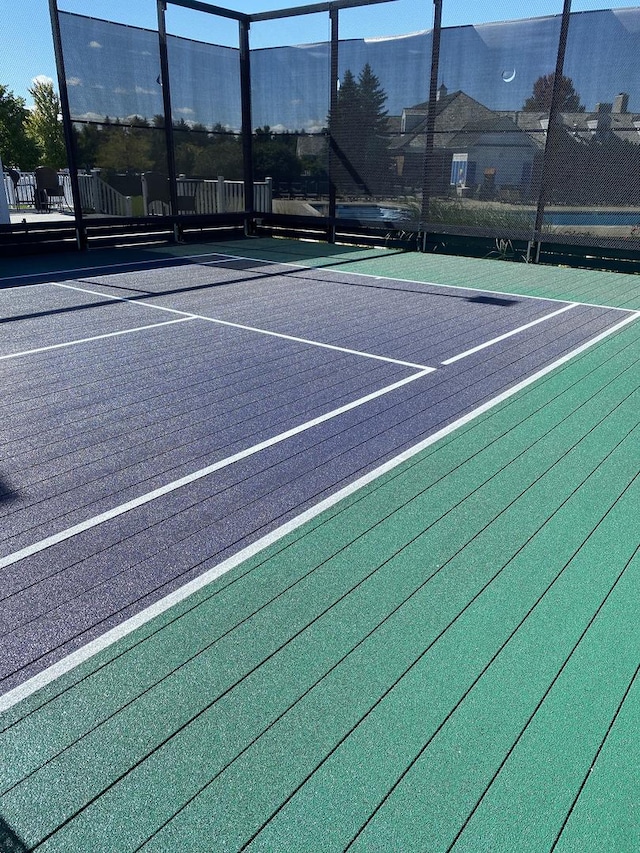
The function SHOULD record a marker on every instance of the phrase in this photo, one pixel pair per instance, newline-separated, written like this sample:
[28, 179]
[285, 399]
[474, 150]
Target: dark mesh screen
[290, 106]
[488, 158]
[379, 79]
[488, 147]
[594, 163]
[111, 69]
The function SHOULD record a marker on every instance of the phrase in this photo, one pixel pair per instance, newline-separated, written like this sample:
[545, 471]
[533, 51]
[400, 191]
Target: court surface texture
[318, 548]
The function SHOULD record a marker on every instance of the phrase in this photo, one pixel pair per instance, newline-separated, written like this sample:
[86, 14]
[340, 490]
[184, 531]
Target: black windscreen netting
[207, 119]
[488, 158]
[290, 105]
[115, 100]
[379, 79]
[116, 105]
[594, 161]
[488, 141]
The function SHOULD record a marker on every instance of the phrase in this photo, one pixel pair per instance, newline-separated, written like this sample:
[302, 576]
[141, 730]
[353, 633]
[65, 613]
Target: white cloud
[185, 111]
[95, 44]
[74, 81]
[42, 79]
[139, 90]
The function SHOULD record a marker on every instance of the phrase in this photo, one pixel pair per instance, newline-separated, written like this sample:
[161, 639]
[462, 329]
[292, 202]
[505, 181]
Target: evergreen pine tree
[358, 135]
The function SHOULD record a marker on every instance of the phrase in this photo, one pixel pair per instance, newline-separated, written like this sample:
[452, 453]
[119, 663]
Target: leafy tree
[222, 156]
[16, 146]
[540, 100]
[274, 155]
[87, 145]
[44, 125]
[125, 148]
[357, 129]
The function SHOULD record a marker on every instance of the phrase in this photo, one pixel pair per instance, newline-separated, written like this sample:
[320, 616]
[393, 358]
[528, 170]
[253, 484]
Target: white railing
[198, 195]
[23, 193]
[195, 195]
[98, 197]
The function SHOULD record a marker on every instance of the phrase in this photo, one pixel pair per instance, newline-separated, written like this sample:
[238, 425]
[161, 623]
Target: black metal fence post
[168, 117]
[429, 165]
[333, 106]
[247, 126]
[554, 128]
[69, 140]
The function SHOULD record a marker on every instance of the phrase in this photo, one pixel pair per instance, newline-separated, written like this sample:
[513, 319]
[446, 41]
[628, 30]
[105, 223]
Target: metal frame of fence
[251, 200]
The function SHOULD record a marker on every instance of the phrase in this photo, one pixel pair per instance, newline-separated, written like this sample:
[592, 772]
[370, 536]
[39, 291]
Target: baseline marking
[244, 328]
[95, 338]
[89, 523]
[66, 664]
[466, 288]
[510, 334]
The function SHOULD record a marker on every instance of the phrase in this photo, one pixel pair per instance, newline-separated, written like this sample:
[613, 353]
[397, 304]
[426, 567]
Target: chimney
[442, 92]
[621, 103]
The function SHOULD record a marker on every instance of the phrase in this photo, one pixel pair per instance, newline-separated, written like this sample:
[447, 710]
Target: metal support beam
[429, 171]
[554, 128]
[312, 9]
[69, 139]
[168, 117]
[247, 124]
[333, 105]
[199, 6]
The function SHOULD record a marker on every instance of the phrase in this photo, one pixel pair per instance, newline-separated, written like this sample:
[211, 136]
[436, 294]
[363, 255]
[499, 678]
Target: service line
[510, 334]
[242, 327]
[134, 503]
[83, 654]
[77, 341]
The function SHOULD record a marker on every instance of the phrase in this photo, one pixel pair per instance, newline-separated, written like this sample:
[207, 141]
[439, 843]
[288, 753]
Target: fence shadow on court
[10, 841]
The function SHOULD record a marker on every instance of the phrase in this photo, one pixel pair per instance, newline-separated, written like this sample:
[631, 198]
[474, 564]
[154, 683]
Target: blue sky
[27, 50]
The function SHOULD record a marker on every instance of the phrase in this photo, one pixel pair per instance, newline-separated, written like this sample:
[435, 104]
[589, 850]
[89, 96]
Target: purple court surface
[227, 448]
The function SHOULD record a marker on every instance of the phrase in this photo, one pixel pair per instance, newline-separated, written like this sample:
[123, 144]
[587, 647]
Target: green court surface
[447, 659]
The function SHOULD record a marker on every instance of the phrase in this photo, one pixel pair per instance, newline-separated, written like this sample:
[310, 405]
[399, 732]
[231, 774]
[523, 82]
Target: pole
[69, 140]
[247, 125]
[168, 117]
[429, 170]
[554, 128]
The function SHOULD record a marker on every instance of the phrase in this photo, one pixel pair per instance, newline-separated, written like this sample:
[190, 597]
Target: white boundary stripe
[511, 333]
[89, 523]
[95, 338]
[220, 258]
[66, 664]
[244, 328]
[476, 290]
[124, 266]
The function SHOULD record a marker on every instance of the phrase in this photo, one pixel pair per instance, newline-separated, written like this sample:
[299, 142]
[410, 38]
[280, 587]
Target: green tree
[44, 125]
[221, 156]
[540, 100]
[125, 148]
[274, 155]
[358, 131]
[87, 144]
[16, 146]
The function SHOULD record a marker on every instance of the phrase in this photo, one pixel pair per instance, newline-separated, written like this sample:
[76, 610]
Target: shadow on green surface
[10, 841]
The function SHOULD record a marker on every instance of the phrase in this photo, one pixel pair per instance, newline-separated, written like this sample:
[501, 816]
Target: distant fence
[203, 196]
[195, 195]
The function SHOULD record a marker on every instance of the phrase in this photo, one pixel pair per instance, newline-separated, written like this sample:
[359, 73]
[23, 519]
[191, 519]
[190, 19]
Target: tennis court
[310, 548]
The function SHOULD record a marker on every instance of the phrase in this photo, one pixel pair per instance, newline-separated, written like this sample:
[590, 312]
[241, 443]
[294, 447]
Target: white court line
[95, 338]
[188, 314]
[510, 334]
[466, 288]
[114, 269]
[89, 523]
[66, 664]
[219, 258]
